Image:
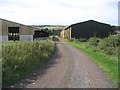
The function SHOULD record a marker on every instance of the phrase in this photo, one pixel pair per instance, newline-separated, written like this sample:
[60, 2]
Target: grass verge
[108, 64]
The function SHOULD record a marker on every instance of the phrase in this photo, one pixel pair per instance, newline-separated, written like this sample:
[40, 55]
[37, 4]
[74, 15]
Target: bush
[77, 40]
[93, 41]
[20, 58]
[109, 45]
[102, 44]
[71, 40]
[55, 38]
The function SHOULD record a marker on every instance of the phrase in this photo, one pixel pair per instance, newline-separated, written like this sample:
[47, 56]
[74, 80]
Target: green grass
[21, 57]
[108, 64]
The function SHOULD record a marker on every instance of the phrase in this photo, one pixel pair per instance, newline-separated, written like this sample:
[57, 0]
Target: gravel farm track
[67, 68]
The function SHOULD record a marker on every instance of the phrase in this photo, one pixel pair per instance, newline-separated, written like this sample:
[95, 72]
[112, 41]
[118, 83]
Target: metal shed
[15, 31]
[87, 30]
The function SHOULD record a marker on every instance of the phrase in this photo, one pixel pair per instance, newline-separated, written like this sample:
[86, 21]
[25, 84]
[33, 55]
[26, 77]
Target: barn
[87, 30]
[15, 31]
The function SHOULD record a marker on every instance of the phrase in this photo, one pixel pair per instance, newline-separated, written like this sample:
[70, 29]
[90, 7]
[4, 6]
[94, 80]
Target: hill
[50, 27]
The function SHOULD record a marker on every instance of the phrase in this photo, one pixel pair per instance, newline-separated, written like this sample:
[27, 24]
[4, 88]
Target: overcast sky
[59, 12]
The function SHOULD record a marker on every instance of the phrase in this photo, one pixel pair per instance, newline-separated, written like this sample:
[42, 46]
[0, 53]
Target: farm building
[14, 31]
[86, 30]
[62, 34]
[40, 34]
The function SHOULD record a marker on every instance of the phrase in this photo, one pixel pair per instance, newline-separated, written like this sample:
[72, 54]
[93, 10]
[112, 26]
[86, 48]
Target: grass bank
[20, 58]
[108, 64]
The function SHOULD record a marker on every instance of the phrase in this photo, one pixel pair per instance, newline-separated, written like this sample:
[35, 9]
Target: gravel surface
[67, 68]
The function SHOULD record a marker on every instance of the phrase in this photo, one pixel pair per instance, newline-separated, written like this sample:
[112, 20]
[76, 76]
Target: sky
[59, 12]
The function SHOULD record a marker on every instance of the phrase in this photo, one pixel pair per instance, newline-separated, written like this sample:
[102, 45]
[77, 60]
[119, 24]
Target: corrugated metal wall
[88, 29]
[25, 32]
[91, 29]
[0, 27]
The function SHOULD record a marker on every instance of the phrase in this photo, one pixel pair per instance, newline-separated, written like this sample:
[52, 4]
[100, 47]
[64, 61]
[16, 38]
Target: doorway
[13, 33]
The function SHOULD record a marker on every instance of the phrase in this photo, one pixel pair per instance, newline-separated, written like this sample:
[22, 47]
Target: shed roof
[17, 23]
[86, 22]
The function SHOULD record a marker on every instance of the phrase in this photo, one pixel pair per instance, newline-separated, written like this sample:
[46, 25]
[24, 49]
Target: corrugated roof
[85, 22]
[17, 23]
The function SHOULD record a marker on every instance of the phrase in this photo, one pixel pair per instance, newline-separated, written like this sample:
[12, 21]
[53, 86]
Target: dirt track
[67, 68]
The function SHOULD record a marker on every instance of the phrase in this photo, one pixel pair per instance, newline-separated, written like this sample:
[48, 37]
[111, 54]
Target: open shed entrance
[40, 34]
[13, 33]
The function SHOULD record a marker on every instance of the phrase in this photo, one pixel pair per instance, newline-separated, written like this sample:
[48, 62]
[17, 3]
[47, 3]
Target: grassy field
[108, 64]
[21, 57]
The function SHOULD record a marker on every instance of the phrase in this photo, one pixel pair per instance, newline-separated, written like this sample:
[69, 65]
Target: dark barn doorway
[13, 33]
[41, 34]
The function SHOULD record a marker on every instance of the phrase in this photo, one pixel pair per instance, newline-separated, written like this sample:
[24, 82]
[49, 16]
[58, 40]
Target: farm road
[67, 68]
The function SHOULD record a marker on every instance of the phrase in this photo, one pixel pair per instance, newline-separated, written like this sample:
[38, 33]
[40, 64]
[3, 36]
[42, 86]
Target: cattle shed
[40, 34]
[87, 30]
[15, 31]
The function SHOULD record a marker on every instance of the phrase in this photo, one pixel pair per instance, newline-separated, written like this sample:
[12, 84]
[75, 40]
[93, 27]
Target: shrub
[72, 39]
[77, 40]
[102, 44]
[55, 38]
[93, 41]
[109, 45]
[20, 58]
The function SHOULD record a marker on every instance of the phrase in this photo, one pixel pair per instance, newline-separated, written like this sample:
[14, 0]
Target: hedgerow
[108, 45]
[93, 41]
[20, 58]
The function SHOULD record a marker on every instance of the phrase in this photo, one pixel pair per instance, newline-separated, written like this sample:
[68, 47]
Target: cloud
[59, 11]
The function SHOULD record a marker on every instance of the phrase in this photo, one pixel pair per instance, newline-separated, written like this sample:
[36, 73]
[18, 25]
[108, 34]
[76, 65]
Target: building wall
[62, 34]
[0, 27]
[67, 33]
[2, 37]
[91, 29]
[26, 37]
[6, 24]
[26, 33]
[26, 30]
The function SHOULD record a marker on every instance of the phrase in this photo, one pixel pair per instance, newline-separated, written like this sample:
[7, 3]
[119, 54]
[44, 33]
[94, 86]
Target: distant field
[55, 27]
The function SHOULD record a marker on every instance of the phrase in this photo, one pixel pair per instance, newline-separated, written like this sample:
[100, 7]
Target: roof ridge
[85, 22]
